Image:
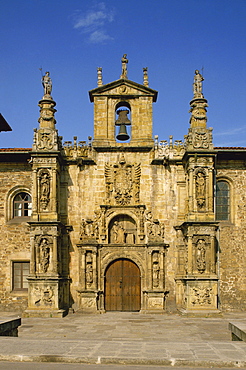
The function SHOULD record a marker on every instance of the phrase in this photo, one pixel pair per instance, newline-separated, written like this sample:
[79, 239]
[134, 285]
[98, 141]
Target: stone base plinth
[153, 301]
[45, 313]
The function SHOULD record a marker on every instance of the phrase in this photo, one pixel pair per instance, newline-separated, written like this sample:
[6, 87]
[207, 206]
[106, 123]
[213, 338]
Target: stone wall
[232, 240]
[15, 237]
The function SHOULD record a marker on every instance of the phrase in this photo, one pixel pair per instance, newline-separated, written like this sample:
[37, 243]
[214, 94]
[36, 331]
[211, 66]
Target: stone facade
[124, 221]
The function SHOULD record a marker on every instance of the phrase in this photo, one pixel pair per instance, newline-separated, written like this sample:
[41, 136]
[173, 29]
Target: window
[22, 205]
[222, 201]
[20, 273]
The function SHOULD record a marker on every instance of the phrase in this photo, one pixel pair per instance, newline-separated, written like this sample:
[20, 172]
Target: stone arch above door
[122, 229]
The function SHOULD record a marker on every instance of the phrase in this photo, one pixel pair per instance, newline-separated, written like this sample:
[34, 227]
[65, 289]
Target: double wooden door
[123, 286]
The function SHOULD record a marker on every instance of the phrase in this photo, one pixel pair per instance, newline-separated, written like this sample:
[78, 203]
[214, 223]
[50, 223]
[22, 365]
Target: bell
[122, 113]
[122, 135]
[122, 121]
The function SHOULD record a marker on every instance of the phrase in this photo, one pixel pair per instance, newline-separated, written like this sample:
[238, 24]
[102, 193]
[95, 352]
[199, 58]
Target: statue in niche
[44, 252]
[44, 190]
[201, 255]
[118, 233]
[89, 269]
[124, 62]
[156, 270]
[200, 189]
[47, 83]
[197, 85]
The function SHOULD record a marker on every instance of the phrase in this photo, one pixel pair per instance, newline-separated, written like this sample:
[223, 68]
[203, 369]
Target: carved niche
[155, 269]
[44, 189]
[43, 248]
[200, 180]
[122, 230]
[122, 182]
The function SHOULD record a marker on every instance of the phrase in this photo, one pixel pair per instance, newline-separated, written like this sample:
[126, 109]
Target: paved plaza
[127, 338]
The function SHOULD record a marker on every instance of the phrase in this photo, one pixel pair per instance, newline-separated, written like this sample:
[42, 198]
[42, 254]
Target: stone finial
[124, 62]
[47, 84]
[197, 84]
[145, 77]
[99, 77]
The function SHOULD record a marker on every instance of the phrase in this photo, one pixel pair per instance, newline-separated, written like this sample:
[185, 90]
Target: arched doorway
[122, 286]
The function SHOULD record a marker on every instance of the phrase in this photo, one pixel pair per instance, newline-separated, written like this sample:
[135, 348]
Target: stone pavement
[127, 338]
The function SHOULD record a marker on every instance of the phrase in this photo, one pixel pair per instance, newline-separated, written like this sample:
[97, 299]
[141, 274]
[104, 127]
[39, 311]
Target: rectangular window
[20, 274]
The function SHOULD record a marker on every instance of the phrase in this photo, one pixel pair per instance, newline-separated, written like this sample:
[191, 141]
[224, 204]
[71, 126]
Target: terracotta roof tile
[15, 149]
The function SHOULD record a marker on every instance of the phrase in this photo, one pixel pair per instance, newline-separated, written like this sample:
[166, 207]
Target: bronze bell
[122, 121]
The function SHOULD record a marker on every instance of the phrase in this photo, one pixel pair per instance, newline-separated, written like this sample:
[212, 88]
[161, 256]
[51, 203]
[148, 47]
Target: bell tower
[123, 111]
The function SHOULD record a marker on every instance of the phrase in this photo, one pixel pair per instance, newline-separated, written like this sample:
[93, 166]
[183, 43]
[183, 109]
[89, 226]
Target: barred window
[22, 205]
[222, 201]
[19, 275]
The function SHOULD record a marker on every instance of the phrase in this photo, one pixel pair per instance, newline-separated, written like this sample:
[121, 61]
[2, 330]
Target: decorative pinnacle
[124, 62]
[99, 77]
[145, 77]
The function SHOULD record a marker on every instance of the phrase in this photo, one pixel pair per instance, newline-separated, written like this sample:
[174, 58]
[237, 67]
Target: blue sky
[71, 38]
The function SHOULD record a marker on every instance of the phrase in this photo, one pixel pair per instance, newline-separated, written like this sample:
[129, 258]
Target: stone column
[162, 270]
[35, 193]
[190, 258]
[55, 262]
[191, 195]
[53, 196]
[94, 269]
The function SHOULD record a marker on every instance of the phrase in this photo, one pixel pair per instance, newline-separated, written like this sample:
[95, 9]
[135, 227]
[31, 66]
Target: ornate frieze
[122, 183]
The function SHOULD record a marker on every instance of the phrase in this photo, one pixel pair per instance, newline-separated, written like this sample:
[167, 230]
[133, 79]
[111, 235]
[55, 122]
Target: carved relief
[200, 189]
[43, 296]
[155, 229]
[89, 229]
[201, 296]
[122, 182]
[45, 139]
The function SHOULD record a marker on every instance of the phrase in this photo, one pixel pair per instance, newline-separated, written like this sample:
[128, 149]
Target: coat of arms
[122, 182]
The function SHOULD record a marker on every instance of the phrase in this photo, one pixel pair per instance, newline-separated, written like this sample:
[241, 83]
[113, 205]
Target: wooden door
[123, 286]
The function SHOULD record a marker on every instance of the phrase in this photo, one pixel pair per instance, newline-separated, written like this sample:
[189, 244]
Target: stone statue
[118, 233]
[197, 85]
[124, 62]
[44, 254]
[44, 190]
[200, 189]
[47, 83]
[201, 256]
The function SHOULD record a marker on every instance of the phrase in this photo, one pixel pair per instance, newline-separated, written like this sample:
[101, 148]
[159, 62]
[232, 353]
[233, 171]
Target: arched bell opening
[122, 120]
[122, 230]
